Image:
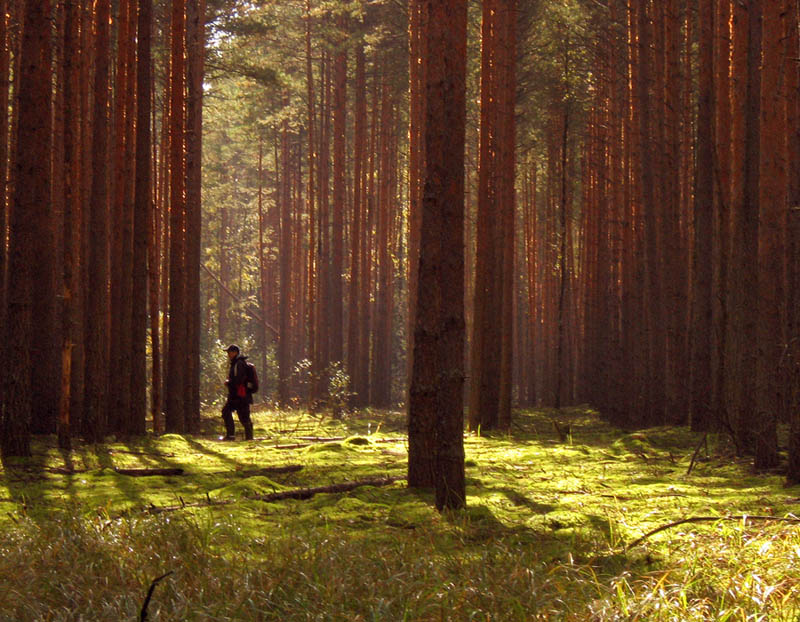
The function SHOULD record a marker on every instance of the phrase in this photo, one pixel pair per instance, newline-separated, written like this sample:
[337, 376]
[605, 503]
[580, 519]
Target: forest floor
[550, 532]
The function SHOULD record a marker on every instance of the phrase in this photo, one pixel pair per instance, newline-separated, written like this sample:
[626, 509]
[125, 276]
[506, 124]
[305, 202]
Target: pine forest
[468, 245]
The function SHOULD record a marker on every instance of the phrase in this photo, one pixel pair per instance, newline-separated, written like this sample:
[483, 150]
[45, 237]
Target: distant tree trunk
[368, 243]
[486, 343]
[339, 136]
[128, 189]
[744, 270]
[701, 413]
[437, 380]
[723, 128]
[154, 289]
[323, 331]
[142, 217]
[561, 357]
[676, 273]
[118, 394]
[313, 302]
[195, 48]
[70, 317]
[381, 389]
[416, 158]
[284, 350]
[508, 89]
[771, 202]
[77, 388]
[656, 381]
[30, 226]
[355, 320]
[97, 309]
[176, 420]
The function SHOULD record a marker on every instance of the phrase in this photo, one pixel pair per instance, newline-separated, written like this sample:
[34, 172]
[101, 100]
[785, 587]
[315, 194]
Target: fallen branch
[711, 519]
[297, 493]
[289, 468]
[696, 451]
[149, 472]
[141, 453]
[307, 493]
[143, 614]
[321, 439]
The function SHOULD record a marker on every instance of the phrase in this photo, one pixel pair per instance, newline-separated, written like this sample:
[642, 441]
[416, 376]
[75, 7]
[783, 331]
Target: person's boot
[230, 429]
[248, 431]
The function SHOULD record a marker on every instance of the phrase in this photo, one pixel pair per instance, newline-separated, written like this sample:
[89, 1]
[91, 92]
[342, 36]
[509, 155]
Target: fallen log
[297, 493]
[149, 472]
[307, 493]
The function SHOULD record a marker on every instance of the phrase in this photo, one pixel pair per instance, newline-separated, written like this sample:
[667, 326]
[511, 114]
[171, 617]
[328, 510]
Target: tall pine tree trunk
[176, 376]
[701, 413]
[142, 217]
[195, 48]
[30, 226]
[98, 304]
[437, 382]
[771, 202]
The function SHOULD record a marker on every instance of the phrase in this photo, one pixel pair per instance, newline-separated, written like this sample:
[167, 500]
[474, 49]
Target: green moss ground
[543, 536]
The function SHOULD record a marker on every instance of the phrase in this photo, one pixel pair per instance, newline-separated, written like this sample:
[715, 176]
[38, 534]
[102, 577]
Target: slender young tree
[176, 420]
[143, 208]
[339, 138]
[195, 51]
[70, 309]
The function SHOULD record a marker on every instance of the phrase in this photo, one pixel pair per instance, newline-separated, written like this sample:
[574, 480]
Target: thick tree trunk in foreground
[437, 380]
[30, 221]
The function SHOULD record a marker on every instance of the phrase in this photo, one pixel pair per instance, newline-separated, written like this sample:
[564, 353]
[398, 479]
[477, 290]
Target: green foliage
[543, 536]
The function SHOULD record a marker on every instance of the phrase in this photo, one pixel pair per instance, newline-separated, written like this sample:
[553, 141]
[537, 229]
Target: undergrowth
[543, 538]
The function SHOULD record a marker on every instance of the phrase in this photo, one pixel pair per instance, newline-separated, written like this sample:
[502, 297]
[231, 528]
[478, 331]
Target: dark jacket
[237, 380]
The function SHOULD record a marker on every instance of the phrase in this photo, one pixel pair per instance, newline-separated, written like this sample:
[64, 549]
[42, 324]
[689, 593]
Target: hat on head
[233, 346]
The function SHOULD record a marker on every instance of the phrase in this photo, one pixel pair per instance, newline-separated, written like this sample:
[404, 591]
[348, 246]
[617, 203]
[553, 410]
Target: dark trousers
[242, 408]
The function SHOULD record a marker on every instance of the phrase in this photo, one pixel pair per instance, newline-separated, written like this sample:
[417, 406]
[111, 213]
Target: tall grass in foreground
[70, 568]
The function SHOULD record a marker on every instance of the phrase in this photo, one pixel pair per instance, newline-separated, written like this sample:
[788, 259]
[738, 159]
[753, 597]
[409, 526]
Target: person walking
[240, 395]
